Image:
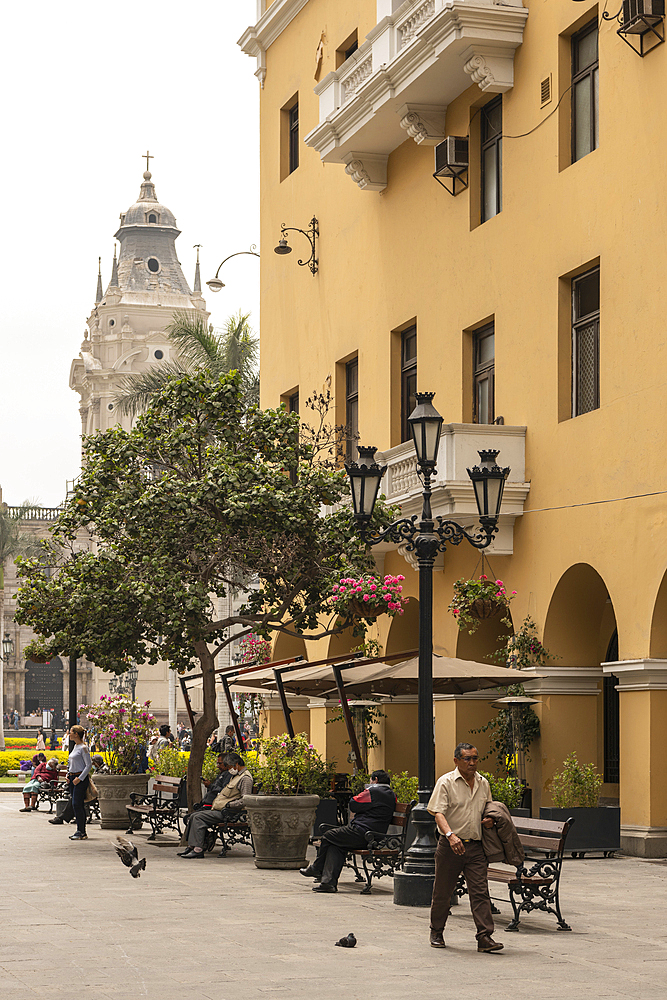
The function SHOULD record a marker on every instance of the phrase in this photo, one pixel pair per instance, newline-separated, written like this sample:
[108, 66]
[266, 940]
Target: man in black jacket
[373, 810]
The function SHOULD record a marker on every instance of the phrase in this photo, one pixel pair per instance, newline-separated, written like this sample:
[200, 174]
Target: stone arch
[342, 643]
[490, 636]
[580, 621]
[404, 629]
[286, 646]
[658, 640]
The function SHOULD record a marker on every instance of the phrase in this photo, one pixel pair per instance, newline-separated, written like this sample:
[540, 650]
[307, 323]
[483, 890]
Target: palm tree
[13, 543]
[235, 348]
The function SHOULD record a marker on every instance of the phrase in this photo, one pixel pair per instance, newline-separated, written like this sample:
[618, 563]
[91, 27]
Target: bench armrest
[140, 799]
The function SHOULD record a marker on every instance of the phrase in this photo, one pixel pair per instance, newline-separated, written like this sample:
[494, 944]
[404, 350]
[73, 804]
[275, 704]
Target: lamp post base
[413, 890]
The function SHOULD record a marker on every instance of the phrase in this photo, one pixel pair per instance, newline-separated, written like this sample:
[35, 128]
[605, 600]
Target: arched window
[152, 217]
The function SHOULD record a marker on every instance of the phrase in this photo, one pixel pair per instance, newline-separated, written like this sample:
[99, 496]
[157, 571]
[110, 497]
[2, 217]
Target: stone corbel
[425, 123]
[367, 170]
[490, 68]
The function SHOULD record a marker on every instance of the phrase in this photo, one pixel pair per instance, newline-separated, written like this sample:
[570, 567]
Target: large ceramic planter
[595, 829]
[114, 795]
[281, 826]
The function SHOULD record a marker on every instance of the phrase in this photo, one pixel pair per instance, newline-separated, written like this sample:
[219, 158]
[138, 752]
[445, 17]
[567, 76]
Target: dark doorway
[611, 717]
[44, 685]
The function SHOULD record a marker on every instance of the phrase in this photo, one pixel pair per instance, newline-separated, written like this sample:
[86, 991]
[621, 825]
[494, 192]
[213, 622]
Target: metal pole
[348, 717]
[188, 703]
[73, 706]
[232, 712]
[287, 711]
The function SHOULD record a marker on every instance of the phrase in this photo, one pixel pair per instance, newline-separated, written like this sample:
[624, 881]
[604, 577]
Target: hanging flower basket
[484, 608]
[368, 597]
[478, 599]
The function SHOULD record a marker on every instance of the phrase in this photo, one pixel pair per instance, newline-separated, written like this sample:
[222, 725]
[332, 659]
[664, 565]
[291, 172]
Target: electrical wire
[594, 503]
[524, 134]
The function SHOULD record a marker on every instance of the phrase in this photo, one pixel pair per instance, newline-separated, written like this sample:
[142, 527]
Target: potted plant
[368, 597]
[508, 790]
[477, 599]
[291, 777]
[575, 792]
[122, 729]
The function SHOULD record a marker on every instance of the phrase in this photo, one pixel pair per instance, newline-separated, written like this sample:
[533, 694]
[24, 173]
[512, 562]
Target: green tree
[13, 542]
[195, 497]
[200, 346]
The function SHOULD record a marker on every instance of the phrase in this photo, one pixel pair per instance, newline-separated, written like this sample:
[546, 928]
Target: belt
[470, 841]
[73, 774]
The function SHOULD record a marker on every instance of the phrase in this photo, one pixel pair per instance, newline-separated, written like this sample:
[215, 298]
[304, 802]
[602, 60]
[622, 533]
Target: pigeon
[129, 855]
[347, 942]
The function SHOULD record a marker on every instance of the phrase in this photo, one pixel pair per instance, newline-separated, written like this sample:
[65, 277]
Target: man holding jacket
[458, 803]
[373, 810]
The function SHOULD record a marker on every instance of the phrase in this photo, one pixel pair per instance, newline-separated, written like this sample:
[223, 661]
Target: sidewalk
[75, 925]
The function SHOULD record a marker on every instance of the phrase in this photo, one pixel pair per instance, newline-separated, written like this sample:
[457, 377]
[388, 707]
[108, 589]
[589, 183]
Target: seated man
[213, 789]
[374, 810]
[228, 801]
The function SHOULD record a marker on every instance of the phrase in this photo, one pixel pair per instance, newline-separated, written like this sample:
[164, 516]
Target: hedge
[10, 760]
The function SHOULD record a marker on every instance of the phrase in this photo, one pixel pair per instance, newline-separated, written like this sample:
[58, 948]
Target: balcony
[452, 490]
[398, 84]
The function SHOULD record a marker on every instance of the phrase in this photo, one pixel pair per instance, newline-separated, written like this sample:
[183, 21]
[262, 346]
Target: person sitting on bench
[374, 810]
[226, 803]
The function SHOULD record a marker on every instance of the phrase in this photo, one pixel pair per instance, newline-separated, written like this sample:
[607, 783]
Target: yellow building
[523, 287]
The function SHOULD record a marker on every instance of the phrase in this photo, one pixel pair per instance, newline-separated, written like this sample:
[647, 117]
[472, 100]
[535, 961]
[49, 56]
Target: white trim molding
[550, 680]
[421, 56]
[638, 675]
[272, 21]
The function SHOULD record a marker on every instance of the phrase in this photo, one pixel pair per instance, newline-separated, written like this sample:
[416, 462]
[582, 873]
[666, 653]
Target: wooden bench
[385, 853]
[535, 885]
[161, 808]
[232, 831]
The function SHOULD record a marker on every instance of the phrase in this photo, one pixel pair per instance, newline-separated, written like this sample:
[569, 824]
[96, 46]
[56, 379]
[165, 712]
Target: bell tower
[125, 332]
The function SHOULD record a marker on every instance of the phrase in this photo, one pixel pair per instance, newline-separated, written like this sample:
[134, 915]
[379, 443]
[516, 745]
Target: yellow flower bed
[10, 760]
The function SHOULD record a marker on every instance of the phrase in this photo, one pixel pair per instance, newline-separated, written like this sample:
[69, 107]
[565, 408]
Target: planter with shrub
[575, 792]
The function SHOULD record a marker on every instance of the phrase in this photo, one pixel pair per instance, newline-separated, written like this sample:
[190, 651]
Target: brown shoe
[487, 944]
[437, 940]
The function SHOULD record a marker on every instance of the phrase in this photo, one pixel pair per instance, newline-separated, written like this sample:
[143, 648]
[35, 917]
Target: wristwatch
[448, 835]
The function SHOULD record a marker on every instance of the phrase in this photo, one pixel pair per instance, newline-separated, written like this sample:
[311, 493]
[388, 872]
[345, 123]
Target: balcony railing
[413, 64]
[453, 494]
[35, 513]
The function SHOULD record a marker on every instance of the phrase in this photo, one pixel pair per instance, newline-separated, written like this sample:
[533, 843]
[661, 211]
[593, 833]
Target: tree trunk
[204, 726]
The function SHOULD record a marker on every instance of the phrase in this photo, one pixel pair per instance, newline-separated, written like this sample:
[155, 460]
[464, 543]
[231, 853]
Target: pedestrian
[373, 810]
[166, 739]
[16, 719]
[53, 739]
[228, 741]
[457, 802]
[77, 775]
[41, 742]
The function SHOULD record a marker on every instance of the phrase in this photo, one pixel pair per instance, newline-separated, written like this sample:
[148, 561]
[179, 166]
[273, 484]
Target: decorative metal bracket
[311, 234]
[215, 284]
[643, 27]
[454, 175]
[440, 533]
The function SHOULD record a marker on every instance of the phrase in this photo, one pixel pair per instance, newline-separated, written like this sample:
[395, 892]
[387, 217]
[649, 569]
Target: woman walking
[77, 776]
[41, 742]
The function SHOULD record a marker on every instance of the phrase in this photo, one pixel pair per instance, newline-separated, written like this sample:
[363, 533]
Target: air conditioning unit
[641, 15]
[451, 156]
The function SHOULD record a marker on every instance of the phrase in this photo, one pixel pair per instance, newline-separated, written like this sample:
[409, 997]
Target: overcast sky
[87, 89]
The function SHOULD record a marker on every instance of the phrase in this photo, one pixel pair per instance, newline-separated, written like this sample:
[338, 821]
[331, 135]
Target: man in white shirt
[458, 802]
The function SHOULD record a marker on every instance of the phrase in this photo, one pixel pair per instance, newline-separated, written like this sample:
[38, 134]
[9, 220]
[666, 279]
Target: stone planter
[281, 826]
[595, 829]
[114, 795]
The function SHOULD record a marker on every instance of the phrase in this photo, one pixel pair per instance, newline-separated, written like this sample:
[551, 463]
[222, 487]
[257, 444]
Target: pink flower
[366, 597]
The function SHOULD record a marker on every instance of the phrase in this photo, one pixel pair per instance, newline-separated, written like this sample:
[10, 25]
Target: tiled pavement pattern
[76, 926]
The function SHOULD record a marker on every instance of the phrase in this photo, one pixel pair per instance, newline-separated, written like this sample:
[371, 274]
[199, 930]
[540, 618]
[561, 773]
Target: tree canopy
[196, 498]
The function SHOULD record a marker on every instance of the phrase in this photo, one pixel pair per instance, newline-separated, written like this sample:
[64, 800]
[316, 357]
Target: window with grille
[492, 158]
[293, 137]
[585, 87]
[351, 408]
[408, 379]
[484, 375]
[586, 342]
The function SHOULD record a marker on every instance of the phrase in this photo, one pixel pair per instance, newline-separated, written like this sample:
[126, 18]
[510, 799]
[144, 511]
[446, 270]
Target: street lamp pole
[426, 538]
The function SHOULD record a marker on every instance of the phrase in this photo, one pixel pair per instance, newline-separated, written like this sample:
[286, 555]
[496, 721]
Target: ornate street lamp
[311, 235]
[426, 537]
[7, 647]
[216, 284]
[131, 677]
[114, 684]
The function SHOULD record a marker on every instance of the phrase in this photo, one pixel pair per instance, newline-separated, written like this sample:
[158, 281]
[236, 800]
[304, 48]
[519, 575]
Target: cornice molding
[256, 39]
[638, 675]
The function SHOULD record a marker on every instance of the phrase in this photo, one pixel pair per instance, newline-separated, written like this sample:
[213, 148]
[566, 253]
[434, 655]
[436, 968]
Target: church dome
[147, 210]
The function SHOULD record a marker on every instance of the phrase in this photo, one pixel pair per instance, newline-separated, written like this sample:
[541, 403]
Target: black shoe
[79, 836]
[183, 854]
[193, 855]
[56, 821]
[325, 887]
[26, 809]
[310, 872]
